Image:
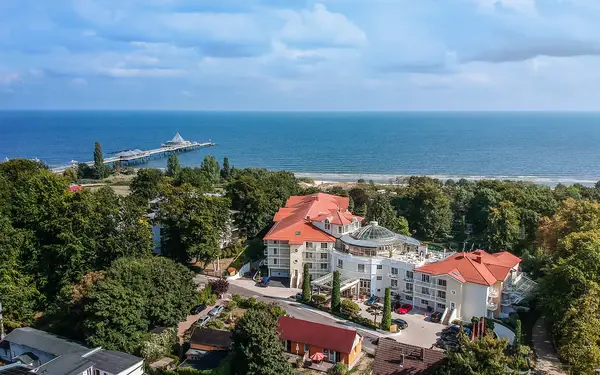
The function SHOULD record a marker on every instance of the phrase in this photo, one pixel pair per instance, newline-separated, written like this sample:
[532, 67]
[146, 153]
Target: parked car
[216, 310]
[435, 317]
[401, 323]
[197, 309]
[299, 296]
[203, 320]
[371, 300]
[405, 308]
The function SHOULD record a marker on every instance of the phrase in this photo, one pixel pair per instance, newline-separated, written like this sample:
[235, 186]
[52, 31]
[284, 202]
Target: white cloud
[79, 81]
[320, 27]
[135, 72]
[7, 79]
[526, 7]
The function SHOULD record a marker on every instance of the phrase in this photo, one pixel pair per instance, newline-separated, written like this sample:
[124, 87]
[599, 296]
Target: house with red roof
[337, 344]
[471, 284]
[305, 230]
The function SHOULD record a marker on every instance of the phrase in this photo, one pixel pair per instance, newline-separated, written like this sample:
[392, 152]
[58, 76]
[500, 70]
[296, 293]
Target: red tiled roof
[396, 358]
[477, 267]
[321, 335]
[293, 221]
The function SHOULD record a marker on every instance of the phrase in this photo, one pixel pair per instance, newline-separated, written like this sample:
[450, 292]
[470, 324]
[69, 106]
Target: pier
[175, 145]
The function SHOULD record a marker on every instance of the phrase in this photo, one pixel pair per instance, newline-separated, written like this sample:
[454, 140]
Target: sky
[363, 55]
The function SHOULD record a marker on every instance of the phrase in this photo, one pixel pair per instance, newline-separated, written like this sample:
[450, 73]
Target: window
[274, 251]
[441, 294]
[275, 242]
[394, 283]
[324, 245]
[409, 274]
[379, 290]
[275, 261]
[394, 271]
[295, 273]
[306, 348]
[309, 245]
[379, 277]
[96, 372]
[365, 284]
[425, 278]
[309, 265]
[324, 256]
[327, 225]
[308, 255]
[424, 302]
[340, 263]
[340, 229]
[424, 290]
[441, 306]
[452, 305]
[324, 266]
[409, 287]
[361, 268]
[379, 267]
[408, 298]
[441, 282]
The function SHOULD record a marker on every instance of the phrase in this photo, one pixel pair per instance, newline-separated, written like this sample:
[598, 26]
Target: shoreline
[384, 179]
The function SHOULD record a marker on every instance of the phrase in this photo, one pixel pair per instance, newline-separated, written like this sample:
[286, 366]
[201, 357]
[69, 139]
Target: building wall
[454, 293]
[474, 303]
[137, 369]
[347, 358]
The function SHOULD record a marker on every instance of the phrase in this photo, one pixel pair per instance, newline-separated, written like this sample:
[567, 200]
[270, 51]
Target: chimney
[478, 259]
[402, 360]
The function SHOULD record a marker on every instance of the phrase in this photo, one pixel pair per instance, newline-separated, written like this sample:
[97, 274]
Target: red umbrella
[317, 357]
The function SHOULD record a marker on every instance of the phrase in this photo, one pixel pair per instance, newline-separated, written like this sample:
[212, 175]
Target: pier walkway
[177, 144]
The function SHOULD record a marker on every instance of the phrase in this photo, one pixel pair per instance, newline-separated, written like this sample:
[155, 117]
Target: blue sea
[543, 147]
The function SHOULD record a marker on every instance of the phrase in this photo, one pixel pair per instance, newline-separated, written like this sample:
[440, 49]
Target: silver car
[216, 310]
[202, 321]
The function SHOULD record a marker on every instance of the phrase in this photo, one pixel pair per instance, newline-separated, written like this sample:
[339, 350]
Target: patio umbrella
[317, 357]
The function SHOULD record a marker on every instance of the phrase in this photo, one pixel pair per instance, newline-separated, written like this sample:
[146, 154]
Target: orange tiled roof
[293, 221]
[477, 267]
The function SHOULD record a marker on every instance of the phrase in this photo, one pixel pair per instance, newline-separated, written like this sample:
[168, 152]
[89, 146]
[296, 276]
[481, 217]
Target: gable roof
[317, 334]
[211, 337]
[396, 358]
[477, 267]
[293, 222]
[43, 341]
[113, 361]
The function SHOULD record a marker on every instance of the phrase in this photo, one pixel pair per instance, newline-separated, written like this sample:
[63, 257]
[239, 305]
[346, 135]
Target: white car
[216, 310]
[202, 321]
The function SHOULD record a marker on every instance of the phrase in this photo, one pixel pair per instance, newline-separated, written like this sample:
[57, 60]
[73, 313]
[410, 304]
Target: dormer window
[327, 224]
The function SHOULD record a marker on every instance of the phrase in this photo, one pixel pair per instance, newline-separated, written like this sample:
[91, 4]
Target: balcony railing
[440, 299]
[431, 285]
[394, 287]
[407, 291]
[409, 279]
[393, 275]
[423, 295]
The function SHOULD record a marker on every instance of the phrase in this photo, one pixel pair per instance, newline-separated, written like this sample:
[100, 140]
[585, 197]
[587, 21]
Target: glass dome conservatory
[375, 240]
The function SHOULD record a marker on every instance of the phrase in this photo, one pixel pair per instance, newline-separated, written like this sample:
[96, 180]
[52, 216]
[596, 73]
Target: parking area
[279, 282]
[420, 332]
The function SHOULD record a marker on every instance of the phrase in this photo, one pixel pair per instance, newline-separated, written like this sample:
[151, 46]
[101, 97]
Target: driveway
[419, 332]
[183, 326]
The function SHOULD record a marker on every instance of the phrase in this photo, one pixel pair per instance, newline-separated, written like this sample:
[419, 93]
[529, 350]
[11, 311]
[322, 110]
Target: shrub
[339, 369]
[350, 308]
[219, 286]
[215, 324]
[318, 299]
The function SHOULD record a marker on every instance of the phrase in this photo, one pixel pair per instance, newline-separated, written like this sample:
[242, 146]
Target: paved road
[300, 311]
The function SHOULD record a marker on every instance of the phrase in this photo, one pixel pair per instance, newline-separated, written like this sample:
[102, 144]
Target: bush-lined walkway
[547, 361]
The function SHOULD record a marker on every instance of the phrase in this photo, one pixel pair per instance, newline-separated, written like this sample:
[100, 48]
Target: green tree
[135, 295]
[195, 177]
[210, 166]
[226, 170]
[485, 355]
[256, 346]
[99, 167]
[70, 174]
[306, 283]
[146, 183]
[380, 209]
[429, 212]
[361, 210]
[518, 335]
[580, 333]
[335, 292]
[193, 224]
[173, 166]
[386, 319]
[18, 293]
[504, 228]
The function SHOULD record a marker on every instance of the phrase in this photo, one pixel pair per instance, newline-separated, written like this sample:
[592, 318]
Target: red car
[404, 308]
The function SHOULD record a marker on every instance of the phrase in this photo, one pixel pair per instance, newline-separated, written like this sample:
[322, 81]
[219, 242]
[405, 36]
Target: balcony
[493, 292]
[440, 299]
[424, 296]
[394, 287]
[393, 275]
[406, 291]
[491, 306]
[409, 279]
